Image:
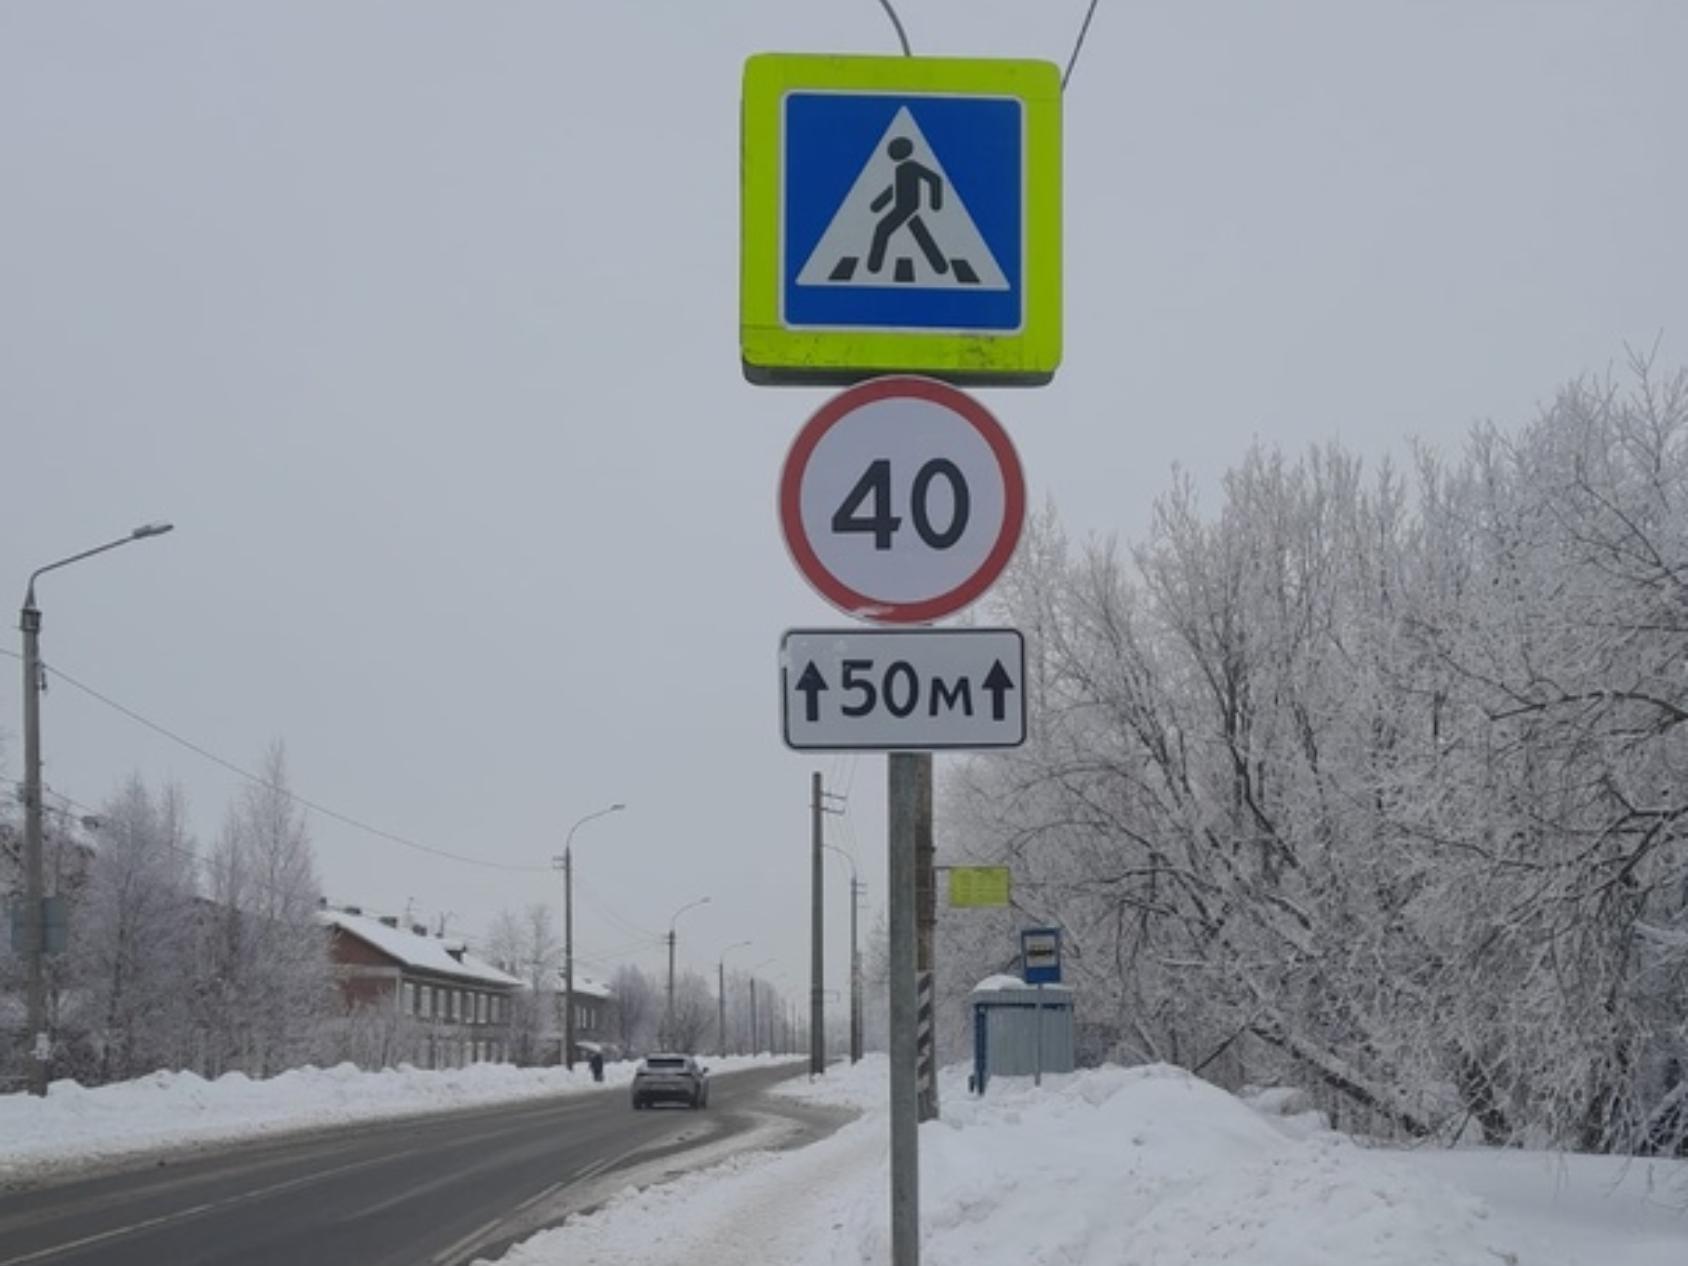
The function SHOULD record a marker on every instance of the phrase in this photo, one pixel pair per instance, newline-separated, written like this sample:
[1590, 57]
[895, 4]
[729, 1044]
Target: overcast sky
[419, 321]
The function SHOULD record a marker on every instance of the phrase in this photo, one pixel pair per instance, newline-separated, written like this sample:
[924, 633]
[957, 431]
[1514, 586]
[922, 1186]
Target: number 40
[876, 483]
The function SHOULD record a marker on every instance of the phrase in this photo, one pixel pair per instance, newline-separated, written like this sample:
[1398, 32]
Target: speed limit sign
[902, 500]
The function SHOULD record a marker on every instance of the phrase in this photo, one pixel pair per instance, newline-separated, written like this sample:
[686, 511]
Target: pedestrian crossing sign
[900, 214]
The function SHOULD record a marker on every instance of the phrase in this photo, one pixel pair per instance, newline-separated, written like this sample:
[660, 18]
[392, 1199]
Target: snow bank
[1107, 1167]
[75, 1125]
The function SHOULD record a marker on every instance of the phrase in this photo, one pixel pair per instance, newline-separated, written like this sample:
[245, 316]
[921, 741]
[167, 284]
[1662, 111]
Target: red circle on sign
[803, 551]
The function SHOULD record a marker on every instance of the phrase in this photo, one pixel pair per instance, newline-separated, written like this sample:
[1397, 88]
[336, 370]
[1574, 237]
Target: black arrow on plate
[810, 685]
[997, 684]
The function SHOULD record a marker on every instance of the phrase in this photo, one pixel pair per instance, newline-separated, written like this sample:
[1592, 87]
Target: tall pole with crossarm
[721, 998]
[565, 863]
[668, 1018]
[855, 957]
[35, 923]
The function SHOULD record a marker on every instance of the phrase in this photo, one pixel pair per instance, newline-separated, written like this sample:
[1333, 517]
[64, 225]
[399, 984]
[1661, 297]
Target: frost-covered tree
[638, 1008]
[528, 945]
[692, 1017]
[1376, 788]
[133, 945]
[264, 985]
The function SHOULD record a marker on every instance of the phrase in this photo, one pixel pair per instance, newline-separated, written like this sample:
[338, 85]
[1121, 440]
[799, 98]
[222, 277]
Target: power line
[344, 819]
[902, 35]
[595, 902]
[192, 855]
[1078, 45]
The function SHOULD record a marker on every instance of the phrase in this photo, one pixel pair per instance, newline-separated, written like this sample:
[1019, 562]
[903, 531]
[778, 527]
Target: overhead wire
[192, 855]
[1072, 61]
[902, 35]
[306, 802]
[595, 902]
[1078, 44]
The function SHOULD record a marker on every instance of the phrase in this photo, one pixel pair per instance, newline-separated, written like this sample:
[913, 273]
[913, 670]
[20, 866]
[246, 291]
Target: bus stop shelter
[1020, 1030]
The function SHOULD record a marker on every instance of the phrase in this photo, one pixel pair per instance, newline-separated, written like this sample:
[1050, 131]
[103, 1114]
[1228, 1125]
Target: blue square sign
[903, 211]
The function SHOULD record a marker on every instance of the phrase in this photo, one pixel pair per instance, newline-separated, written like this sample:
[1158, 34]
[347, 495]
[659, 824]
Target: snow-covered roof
[424, 953]
[589, 985]
[1005, 984]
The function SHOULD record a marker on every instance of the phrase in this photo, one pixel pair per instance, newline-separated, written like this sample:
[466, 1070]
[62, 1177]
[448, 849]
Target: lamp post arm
[140, 533]
[701, 901]
[580, 822]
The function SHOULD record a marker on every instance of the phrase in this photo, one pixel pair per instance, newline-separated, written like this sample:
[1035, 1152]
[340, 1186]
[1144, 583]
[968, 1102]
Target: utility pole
[904, 806]
[817, 953]
[34, 871]
[926, 897]
[818, 809]
[755, 1037]
[668, 1022]
[34, 878]
[568, 956]
[565, 863]
[856, 889]
[855, 974]
[721, 996]
[668, 1015]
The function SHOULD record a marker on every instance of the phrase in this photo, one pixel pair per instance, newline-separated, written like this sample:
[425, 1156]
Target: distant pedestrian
[597, 1062]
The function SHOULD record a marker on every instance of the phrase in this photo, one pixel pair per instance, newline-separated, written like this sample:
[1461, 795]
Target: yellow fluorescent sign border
[774, 353]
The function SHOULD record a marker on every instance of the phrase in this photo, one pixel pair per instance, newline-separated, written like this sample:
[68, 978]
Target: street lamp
[855, 960]
[565, 863]
[721, 996]
[701, 901]
[35, 923]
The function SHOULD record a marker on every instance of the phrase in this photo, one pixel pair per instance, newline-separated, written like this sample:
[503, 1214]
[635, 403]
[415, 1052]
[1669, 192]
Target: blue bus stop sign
[1040, 956]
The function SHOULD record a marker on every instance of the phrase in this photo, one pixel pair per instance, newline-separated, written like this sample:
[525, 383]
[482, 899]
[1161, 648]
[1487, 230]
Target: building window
[480, 1008]
[410, 997]
[427, 1002]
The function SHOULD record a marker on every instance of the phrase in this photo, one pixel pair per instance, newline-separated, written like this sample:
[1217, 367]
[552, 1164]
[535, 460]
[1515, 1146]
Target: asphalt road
[433, 1191]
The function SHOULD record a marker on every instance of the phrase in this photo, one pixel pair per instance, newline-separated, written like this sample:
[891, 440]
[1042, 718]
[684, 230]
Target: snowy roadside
[76, 1127]
[1130, 1167]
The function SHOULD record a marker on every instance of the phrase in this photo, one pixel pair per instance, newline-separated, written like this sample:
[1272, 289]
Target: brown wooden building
[419, 999]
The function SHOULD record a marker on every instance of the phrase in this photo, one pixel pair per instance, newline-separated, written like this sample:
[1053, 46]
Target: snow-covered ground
[73, 1126]
[1134, 1167]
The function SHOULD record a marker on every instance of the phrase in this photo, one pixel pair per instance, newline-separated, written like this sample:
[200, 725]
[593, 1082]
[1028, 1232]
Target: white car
[670, 1078]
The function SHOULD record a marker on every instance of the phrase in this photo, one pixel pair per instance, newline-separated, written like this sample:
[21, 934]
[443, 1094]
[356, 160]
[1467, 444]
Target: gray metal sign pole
[1037, 1066]
[904, 805]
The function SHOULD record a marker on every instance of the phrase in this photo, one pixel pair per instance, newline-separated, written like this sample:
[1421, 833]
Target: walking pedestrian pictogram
[900, 214]
[903, 224]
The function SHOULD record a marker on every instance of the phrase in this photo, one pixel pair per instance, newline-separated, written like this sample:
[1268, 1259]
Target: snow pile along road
[75, 1126]
[1109, 1167]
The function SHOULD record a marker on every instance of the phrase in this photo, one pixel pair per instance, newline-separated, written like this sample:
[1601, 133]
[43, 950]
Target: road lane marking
[182, 1215]
[590, 1171]
[537, 1196]
[457, 1247]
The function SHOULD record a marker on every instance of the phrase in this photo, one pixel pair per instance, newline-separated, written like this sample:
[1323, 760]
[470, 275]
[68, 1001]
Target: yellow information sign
[900, 214]
[978, 886]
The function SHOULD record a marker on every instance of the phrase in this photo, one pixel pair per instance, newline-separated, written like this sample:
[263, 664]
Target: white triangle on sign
[903, 225]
